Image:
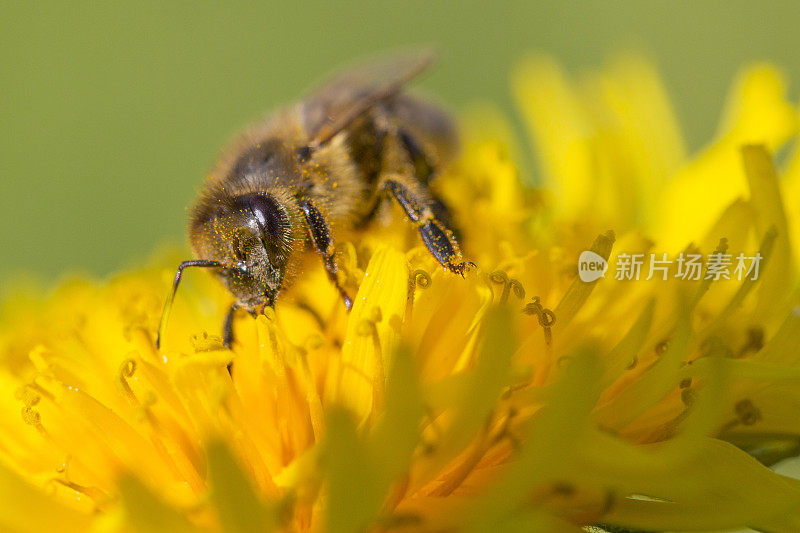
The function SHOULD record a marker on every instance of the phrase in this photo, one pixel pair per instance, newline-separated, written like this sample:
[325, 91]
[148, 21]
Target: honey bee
[313, 169]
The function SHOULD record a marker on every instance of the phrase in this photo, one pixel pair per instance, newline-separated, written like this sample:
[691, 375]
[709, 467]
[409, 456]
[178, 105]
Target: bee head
[251, 234]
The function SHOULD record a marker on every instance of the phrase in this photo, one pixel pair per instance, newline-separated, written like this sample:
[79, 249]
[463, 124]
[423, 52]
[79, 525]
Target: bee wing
[336, 104]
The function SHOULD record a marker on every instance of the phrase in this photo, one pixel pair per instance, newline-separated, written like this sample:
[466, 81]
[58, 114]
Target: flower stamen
[499, 277]
[545, 316]
[126, 370]
[747, 413]
[419, 278]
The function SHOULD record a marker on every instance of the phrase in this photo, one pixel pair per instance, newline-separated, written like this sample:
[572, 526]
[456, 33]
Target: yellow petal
[24, 508]
[765, 196]
[558, 126]
[372, 332]
[757, 113]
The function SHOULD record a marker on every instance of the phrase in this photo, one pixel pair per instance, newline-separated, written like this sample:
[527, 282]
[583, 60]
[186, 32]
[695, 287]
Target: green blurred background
[112, 113]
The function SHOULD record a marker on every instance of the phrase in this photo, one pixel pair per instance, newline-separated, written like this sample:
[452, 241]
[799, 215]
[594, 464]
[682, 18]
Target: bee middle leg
[424, 171]
[438, 237]
[323, 242]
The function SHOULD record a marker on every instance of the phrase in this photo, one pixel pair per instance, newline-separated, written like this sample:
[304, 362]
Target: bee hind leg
[438, 238]
[423, 170]
[320, 234]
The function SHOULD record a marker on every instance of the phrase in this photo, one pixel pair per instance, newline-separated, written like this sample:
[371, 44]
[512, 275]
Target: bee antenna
[168, 304]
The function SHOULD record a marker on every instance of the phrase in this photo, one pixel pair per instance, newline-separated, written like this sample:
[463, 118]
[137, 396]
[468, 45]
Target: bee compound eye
[271, 218]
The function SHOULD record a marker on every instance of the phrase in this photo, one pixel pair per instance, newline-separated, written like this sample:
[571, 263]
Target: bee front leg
[227, 327]
[323, 242]
[227, 331]
[438, 238]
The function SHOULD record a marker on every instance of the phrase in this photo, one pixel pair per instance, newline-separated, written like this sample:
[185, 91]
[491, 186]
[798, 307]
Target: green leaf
[147, 512]
[481, 389]
[353, 487]
[550, 441]
[236, 500]
[397, 432]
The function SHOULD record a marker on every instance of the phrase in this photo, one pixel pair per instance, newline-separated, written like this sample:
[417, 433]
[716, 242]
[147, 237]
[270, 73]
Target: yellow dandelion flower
[523, 397]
